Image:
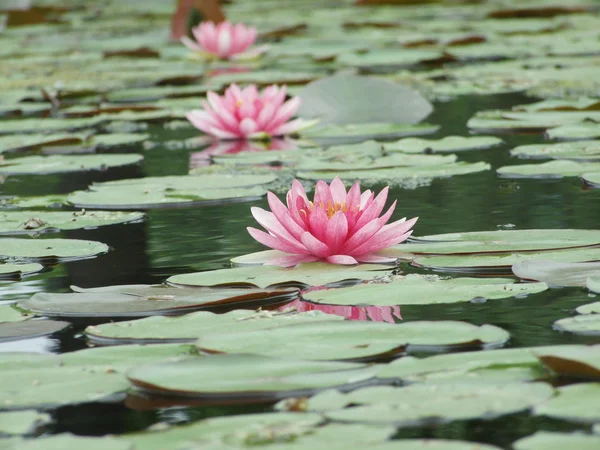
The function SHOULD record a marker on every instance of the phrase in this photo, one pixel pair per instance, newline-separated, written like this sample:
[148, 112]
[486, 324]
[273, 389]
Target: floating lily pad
[66, 441]
[577, 402]
[390, 57]
[498, 241]
[44, 201]
[29, 141]
[189, 327]
[20, 222]
[577, 151]
[424, 290]
[550, 169]
[18, 270]
[439, 402]
[358, 132]
[349, 99]
[473, 365]
[22, 422]
[582, 130]
[447, 144]
[144, 301]
[50, 249]
[246, 377]
[546, 440]
[26, 329]
[586, 324]
[593, 284]
[306, 274]
[576, 361]
[157, 192]
[592, 178]
[39, 165]
[590, 308]
[353, 340]
[402, 173]
[557, 273]
[489, 263]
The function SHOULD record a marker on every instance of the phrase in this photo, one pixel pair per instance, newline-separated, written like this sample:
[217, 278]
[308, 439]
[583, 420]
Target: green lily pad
[265, 77]
[557, 273]
[473, 365]
[577, 402]
[580, 104]
[581, 130]
[529, 121]
[26, 329]
[347, 99]
[390, 57]
[66, 441]
[576, 361]
[546, 440]
[590, 308]
[10, 314]
[306, 274]
[592, 179]
[22, 222]
[576, 151]
[353, 340]
[497, 241]
[358, 132]
[587, 324]
[144, 301]
[44, 201]
[593, 284]
[447, 144]
[439, 402]
[190, 327]
[101, 141]
[148, 94]
[489, 263]
[39, 165]
[8, 270]
[22, 422]
[401, 173]
[50, 249]
[157, 192]
[246, 377]
[550, 169]
[424, 290]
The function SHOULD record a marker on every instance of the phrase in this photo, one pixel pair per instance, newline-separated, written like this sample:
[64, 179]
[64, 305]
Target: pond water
[183, 240]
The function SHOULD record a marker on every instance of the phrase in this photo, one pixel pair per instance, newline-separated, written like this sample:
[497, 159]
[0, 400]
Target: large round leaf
[592, 178]
[424, 290]
[593, 283]
[50, 249]
[578, 151]
[245, 377]
[307, 274]
[20, 222]
[445, 145]
[143, 301]
[22, 422]
[353, 340]
[575, 361]
[345, 99]
[8, 270]
[558, 273]
[440, 402]
[586, 324]
[157, 192]
[546, 440]
[39, 165]
[66, 441]
[189, 327]
[551, 169]
[25, 329]
[578, 402]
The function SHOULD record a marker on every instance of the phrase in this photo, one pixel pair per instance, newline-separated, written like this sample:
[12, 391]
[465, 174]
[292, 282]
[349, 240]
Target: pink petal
[190, 44]
[314, 246]
[372, 210]
[268, 220]
[338, 191]
[284, 112]
[341, 259]
[387, 236]
[291, 260]
[283, 216]
[317, 221]
[336, 231]
[373, 258]
[322, 195]
[272, 241]
[248, 126]
[289, 127]
[360, 236]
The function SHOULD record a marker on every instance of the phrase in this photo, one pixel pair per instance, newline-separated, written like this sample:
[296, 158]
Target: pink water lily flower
[337, 226]
[248, 114]
[223, 40]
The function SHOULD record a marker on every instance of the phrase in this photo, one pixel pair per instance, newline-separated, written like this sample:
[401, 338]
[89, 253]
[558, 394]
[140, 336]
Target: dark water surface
[182, 240]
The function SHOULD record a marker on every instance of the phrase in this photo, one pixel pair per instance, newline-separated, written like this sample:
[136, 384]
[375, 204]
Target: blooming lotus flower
[246, 114]
[224, 40]
[337, 226]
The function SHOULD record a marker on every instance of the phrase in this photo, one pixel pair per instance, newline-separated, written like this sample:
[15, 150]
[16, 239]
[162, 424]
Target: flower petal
[388, 235]
[291, 260]
[336, 231]
[283, 216]
[341, 259]
[272, 241]
[314, 246]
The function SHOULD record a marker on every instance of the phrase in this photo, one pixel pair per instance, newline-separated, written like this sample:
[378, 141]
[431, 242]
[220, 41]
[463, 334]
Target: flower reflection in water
[374, 313]
[202, 158]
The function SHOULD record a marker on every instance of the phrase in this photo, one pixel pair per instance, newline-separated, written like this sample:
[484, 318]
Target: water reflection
[374, 313]
[202, 158]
